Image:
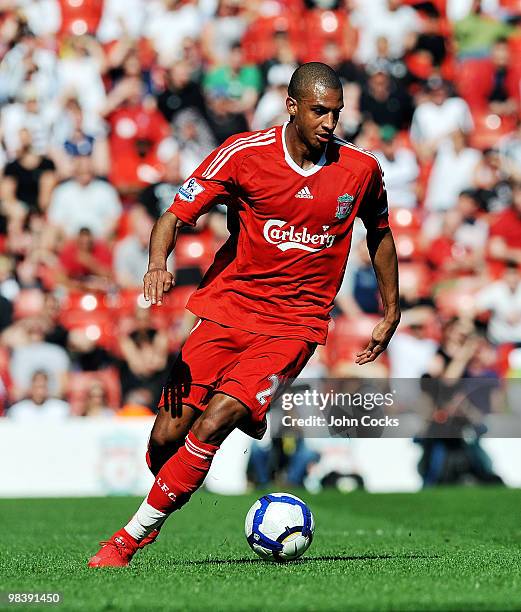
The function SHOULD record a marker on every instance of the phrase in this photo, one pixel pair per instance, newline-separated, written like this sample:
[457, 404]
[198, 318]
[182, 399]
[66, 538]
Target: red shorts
[247, 366]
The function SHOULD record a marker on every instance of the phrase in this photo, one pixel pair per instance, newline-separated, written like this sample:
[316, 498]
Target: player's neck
[298, 150]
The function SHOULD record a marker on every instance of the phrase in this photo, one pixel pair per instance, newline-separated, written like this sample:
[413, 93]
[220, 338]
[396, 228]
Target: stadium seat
[405, 219]
[258, 44]
[127, 300]
[408, 245]
[161, 317]
[415, 277]
[489, 128]
[194, 251]
[99, 326]
[512, 6]
[474, 79]
[79, 18]
[88, 302]
[321, 26]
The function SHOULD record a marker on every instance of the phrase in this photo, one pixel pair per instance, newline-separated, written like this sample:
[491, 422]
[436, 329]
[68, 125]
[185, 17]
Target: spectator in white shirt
[80, 74]
[510, 153]
[131, 253]
[452, 173]
[85, 201]
[169, 23]
[43, 16]
[271, 108]
[437, 118]
[411, 351]
[503, 300]
[39, 405]
[400, 169]
[396, 22]
[35, 355]
[27, 115]
[120, 19]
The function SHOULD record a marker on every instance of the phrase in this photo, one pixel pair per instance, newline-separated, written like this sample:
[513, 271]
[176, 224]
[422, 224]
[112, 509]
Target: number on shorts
[262, 395]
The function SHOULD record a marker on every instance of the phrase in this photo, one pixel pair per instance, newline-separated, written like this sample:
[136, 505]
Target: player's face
[315, 116]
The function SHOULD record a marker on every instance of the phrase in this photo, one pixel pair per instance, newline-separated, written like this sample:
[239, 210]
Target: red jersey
[290, 231]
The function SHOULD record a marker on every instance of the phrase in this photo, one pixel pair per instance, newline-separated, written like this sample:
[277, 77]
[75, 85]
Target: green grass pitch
[445, 549]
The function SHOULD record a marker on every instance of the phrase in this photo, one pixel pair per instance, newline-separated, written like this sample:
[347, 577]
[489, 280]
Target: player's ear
[291, 105]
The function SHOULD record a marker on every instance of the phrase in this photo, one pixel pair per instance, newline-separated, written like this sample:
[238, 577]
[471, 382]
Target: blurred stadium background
[106, 106]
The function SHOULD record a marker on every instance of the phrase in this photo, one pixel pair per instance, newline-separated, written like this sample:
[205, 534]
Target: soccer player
[292, 192]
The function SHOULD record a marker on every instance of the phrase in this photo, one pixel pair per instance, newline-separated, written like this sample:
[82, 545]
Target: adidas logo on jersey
[304, 193]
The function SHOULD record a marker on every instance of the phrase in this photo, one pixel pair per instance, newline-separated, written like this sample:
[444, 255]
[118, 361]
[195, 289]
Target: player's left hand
[156, 282]
[382, 334]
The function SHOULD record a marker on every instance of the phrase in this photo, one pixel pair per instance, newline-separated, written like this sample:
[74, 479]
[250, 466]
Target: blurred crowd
[106, 106]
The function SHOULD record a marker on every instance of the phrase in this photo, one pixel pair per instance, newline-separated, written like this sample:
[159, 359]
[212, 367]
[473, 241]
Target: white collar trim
[291, 163]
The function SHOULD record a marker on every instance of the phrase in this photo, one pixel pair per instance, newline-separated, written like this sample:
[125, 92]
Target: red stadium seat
[89, 302]
[405, 219]
[415, 277]
[408, 245]
[258, 42]
[78, 18]
[99, 326]
[489, 128]
[474, 79]
[127, 300]
[194, 251]
[320, 26]
[174, 303]
[512, 6]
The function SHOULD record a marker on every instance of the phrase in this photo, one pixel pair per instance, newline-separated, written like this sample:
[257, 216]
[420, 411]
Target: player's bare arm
[385, 263]
[158, 280]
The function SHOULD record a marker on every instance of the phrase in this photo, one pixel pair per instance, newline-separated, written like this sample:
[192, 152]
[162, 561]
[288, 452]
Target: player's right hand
[156, 282]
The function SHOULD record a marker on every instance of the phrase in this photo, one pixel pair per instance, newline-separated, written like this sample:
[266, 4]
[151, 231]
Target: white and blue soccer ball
[279, 527]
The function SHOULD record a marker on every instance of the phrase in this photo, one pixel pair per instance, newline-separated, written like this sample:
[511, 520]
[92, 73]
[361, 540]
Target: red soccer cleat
[149, 539]
[116, 552]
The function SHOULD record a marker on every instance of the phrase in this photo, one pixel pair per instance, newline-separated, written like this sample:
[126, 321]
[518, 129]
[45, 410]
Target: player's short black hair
[310, 74]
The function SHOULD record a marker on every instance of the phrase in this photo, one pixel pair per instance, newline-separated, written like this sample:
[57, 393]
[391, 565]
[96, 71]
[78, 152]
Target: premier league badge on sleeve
[345, 206]
[189, 190]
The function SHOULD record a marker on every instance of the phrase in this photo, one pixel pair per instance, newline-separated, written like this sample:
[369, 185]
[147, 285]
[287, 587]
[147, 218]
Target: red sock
[181, 475]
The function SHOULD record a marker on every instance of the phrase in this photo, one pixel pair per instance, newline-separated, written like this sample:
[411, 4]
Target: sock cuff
[198, 448]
